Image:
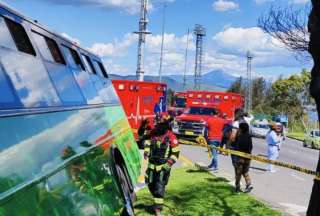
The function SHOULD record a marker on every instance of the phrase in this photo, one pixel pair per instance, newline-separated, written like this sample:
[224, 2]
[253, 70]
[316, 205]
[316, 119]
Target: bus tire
[124, 186]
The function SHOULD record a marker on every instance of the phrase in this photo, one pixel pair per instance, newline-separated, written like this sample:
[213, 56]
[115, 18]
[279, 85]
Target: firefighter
[162, 151]
[144, 132]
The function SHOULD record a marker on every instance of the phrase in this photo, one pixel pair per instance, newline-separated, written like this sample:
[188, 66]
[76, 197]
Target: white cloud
[116, 48]
[224, 5]
[129, 6]
[225, 51]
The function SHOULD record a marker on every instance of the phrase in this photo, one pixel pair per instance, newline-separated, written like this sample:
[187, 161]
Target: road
[286, 189]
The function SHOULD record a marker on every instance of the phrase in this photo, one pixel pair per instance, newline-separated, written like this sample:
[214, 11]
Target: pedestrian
[162, 151]
[242, 165]
[239, 117]
[273, 139]
[214, 128]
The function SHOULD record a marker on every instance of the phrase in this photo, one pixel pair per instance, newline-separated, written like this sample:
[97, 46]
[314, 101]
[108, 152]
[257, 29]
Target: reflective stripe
[99, 187]
[175, 149]
[173, 157]
[158, 200]
[155, 167]
[167, 152]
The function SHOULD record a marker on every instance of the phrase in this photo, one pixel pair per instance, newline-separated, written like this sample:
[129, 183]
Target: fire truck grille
[191, 128]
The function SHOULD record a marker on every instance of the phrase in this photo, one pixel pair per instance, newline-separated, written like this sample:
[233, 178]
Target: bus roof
[47, 29]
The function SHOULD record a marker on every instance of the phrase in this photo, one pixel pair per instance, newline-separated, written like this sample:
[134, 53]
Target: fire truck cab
[141, 100]
[206, 114]
[178, 104]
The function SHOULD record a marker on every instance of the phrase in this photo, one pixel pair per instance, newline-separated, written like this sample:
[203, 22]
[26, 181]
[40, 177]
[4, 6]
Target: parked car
[312, 139]
[260, 130]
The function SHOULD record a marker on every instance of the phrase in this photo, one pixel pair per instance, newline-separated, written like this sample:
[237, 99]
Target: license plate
[189, 133]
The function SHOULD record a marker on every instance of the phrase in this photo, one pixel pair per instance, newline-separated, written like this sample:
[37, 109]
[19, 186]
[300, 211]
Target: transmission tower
[200, 33]
[142, 38]
[248, 104]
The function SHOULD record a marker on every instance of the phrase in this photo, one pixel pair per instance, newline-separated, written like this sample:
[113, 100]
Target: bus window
[20, 37]
[73, 58]
[5, 36]
[7, 97]
[48, 48]
[89, 66]
[100, 69]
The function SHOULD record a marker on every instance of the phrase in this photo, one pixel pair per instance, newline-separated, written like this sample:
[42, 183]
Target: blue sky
[106, 26]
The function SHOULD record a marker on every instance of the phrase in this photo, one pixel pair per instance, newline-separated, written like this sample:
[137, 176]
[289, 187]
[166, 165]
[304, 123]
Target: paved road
[286, 190]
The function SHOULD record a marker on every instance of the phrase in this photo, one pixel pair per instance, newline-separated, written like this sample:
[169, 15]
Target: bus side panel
[70, 153]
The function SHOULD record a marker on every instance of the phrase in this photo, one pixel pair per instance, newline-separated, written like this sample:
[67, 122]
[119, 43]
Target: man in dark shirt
[244, 144]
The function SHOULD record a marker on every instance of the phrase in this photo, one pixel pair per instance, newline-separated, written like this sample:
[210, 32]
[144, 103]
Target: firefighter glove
[166, 167]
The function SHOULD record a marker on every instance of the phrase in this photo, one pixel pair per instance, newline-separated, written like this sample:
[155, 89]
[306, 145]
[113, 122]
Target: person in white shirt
[274, 140]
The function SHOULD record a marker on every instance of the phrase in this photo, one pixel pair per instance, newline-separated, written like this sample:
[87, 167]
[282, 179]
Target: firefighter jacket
[162, 150]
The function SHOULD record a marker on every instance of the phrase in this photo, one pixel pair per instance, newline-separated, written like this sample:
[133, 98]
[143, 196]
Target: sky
[106, 28]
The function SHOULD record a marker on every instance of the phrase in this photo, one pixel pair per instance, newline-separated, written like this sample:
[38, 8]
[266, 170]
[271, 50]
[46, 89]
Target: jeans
[214, 161]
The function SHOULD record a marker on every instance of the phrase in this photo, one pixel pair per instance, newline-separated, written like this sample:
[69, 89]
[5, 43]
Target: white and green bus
[66, 147]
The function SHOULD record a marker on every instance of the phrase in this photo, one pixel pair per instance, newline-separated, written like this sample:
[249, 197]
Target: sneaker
[215, 170]
[248, 188]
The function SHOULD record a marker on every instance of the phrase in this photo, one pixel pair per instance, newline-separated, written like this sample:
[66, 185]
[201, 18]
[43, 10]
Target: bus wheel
[123, 182]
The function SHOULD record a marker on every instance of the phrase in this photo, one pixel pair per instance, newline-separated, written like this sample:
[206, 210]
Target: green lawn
[198, 193]
[296, 135]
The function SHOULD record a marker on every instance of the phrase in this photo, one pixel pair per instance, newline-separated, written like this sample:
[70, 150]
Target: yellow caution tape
[201, 141]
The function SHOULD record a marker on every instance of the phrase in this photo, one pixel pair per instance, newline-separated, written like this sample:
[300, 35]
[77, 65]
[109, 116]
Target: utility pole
[162, 41]
[186, 63]
[248, 104]
[200, 33]
[142, 39]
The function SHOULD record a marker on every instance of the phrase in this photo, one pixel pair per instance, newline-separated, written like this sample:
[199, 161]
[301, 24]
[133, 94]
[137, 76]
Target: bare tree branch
[289, 26]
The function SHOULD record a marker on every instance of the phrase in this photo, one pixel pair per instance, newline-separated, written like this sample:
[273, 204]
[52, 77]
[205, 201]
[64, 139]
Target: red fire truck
[226, 102]
[141, 100]
[206, 114]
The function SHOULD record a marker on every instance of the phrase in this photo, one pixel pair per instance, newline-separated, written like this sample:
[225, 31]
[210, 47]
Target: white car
[260, 130]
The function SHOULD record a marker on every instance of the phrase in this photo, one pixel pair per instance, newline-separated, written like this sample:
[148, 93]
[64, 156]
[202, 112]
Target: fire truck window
[20, 37]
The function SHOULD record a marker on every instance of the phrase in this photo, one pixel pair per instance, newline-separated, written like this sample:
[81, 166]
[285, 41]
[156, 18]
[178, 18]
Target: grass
[296, 135]
[197, 193]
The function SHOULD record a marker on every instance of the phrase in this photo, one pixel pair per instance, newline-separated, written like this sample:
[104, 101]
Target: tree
[287, 25]
[237, 86]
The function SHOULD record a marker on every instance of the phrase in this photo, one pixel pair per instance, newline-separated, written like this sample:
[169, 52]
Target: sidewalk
[285, 189]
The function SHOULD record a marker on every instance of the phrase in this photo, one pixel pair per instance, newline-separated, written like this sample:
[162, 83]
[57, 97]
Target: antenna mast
[248, 104]
[200, 33]
[142, 39]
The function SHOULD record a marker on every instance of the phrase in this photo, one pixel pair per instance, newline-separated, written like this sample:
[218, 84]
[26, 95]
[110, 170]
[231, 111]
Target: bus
[66, 147]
